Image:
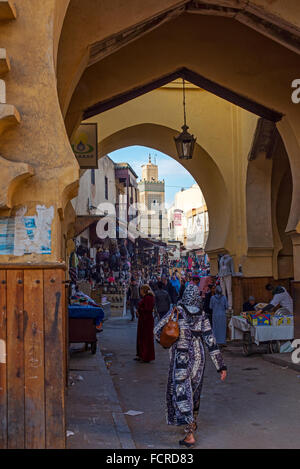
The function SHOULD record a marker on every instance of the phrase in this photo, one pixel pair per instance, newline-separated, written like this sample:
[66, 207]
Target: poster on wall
[85, 146]
[177, 218]
[23, 234]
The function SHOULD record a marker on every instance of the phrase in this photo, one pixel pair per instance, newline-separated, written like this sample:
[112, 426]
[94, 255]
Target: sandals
[189, 429]
[185, 443]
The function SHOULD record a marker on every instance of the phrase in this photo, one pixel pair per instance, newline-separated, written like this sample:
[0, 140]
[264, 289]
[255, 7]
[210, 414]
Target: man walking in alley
[167, 285]
[133, 296]
[162, 300]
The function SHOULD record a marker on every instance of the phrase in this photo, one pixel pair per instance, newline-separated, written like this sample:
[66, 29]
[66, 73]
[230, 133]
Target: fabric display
[262, 319]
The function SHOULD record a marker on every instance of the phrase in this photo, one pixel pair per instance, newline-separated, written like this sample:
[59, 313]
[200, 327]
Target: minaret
[150, 171]
[152, 196]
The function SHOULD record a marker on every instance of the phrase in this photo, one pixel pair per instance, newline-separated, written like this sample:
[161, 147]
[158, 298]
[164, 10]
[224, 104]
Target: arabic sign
[177, 218]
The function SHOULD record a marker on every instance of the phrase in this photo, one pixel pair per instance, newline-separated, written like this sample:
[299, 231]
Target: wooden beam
[128, 95]
[46, 265]
[231, 96]
[196, 79]
[253, 16]
[115, 42]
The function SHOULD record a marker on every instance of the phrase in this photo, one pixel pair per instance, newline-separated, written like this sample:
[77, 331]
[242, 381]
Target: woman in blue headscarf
[187, 361]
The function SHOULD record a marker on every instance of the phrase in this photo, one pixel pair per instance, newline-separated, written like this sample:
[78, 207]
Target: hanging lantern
[185, 142]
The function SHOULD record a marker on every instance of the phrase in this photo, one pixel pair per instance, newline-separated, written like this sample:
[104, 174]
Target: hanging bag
[170, 332]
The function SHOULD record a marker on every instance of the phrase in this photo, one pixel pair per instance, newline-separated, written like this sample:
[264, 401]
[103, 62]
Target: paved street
[257, 407]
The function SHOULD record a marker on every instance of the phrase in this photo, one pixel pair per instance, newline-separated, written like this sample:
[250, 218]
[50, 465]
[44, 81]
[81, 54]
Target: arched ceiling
[220, 49]
[94, 29]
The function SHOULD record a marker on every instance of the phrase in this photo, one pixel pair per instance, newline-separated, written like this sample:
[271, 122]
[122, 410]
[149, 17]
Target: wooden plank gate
[33, 356]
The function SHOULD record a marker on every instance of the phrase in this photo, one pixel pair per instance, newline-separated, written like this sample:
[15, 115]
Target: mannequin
[226, 271]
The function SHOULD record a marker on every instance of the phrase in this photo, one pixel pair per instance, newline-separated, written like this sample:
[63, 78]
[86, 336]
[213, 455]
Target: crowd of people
[111, 264]
[168, 288]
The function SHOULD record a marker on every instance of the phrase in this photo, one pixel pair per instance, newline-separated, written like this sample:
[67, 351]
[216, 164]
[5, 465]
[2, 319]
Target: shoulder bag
[170, 332]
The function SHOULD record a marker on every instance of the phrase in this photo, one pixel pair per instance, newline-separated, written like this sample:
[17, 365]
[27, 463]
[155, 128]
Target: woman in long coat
[187, 361]
[218, 304]
[145, 337]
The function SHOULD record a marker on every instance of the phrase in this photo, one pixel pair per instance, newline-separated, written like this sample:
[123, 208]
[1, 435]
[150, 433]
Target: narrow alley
[256, 407]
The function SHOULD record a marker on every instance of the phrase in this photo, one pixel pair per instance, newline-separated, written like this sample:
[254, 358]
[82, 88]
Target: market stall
[266, 338]
[84, 321]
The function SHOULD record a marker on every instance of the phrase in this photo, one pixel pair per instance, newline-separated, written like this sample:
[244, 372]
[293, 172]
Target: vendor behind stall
[280, 298]
[249, 305]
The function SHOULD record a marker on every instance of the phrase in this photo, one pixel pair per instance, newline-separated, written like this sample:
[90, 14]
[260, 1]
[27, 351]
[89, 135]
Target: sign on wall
[177, 218]
[85, 146]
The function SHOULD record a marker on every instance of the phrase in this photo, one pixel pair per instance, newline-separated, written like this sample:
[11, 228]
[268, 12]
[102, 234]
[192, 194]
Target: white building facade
[96, 195]
[188, 218]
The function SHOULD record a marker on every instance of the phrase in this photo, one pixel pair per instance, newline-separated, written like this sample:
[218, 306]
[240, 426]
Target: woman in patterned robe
[187, 362]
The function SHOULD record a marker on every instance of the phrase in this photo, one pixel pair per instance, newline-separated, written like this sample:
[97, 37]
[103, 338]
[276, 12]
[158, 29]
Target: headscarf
[191, 299]
[278, 289]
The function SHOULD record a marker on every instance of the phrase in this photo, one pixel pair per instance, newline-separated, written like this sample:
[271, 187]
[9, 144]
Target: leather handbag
[170, 332]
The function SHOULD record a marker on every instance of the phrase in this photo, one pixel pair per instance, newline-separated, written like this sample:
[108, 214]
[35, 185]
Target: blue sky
[174, 174]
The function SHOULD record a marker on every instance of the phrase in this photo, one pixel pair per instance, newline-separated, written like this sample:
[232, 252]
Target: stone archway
[259, 64]
[202, 167]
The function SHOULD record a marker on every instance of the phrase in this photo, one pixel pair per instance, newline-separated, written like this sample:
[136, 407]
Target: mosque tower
[152, 196]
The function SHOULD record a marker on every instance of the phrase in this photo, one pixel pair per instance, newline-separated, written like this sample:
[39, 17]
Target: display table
[269, 335]
[86, 311]
[83, 321]
[239, 325]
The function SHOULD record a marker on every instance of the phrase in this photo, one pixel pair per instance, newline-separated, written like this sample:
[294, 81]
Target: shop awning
[154, 243]
[82, 222]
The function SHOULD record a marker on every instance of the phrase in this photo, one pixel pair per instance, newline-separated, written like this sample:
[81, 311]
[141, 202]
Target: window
[106, 188]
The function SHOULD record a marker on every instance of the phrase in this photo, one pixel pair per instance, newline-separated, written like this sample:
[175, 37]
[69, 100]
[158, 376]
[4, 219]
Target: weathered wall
[40, 140]
[94, 194]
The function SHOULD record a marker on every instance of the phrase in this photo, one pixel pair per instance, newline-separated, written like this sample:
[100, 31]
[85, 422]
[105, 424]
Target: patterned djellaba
[187, 363]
